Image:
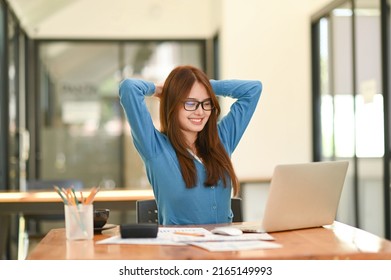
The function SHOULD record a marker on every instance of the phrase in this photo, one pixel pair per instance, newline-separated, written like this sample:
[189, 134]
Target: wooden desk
[337, 241]
[44, 202]
[49, 202]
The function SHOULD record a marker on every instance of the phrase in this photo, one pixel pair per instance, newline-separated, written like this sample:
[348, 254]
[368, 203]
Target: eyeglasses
[192, 105]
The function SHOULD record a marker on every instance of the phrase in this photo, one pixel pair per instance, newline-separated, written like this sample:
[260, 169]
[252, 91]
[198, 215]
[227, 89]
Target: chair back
[147, 210]
[236, 206]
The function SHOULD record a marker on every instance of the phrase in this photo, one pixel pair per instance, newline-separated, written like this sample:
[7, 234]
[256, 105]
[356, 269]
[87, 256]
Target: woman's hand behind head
[158, 90]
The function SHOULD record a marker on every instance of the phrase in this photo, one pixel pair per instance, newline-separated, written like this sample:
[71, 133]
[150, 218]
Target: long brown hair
[217, 163]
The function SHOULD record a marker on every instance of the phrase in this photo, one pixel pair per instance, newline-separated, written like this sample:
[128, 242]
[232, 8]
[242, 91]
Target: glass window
[351, 107]
[13, 109]
[3, 100]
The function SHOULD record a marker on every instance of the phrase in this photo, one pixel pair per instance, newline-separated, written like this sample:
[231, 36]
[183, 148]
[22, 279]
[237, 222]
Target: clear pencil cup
[79, 221]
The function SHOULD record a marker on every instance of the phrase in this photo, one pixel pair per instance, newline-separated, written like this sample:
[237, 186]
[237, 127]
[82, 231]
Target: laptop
[303, 195]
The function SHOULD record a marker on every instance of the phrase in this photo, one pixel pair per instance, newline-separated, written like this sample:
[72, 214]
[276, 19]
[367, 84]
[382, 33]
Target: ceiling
[125, 19]
[116, 19]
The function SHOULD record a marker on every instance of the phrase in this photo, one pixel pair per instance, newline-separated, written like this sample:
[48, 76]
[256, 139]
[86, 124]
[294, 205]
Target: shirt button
[214, 207]
[212, 187]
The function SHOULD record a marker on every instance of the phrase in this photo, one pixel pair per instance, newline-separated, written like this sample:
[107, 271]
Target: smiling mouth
[196, 121]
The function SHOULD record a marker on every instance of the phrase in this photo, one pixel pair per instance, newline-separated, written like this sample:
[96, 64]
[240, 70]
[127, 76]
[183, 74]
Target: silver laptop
[302, 195]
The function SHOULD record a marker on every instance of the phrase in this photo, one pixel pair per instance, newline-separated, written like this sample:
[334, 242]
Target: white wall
[270, 41]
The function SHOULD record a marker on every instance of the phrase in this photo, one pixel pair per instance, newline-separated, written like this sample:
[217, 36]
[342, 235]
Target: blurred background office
[324, 65]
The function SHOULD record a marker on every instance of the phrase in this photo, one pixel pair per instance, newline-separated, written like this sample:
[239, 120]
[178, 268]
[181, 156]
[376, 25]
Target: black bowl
[100, 217]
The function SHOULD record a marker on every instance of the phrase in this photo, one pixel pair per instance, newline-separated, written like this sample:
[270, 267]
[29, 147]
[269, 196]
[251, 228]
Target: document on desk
[203, 235]
[165, 236]
[180, 236]
[236, 245]
[142, 241]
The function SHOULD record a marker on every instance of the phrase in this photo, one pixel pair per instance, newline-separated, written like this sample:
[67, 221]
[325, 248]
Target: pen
[189, 233]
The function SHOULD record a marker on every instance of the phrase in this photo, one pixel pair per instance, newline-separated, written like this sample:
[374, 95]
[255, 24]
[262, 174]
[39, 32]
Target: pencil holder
[79, 221]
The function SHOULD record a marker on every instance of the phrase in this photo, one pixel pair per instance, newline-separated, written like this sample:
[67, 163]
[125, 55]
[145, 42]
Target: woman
[188, 161]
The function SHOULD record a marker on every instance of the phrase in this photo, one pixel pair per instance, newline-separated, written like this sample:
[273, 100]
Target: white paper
[145, 241]
[218, 237]
[174, 236]
[164, 237]
[236, 245]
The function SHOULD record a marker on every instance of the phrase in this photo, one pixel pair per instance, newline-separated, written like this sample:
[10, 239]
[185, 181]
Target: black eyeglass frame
[198, 105]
